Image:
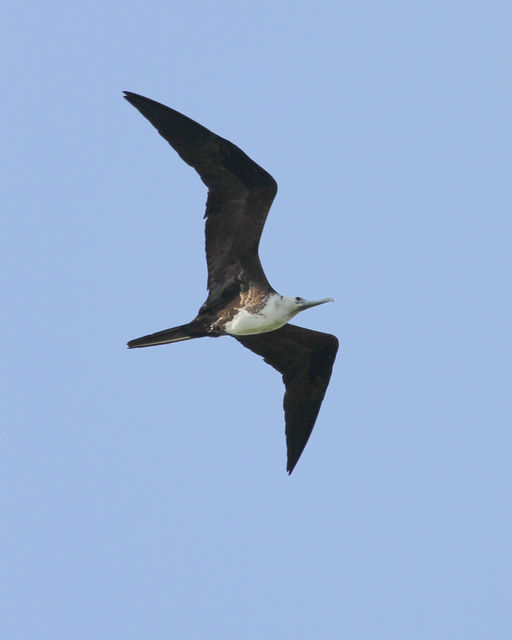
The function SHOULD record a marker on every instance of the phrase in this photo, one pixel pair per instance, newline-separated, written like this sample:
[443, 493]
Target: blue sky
[144, 493]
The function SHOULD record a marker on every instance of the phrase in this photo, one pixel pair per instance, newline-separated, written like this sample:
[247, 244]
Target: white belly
[273, 315]
[244, 324]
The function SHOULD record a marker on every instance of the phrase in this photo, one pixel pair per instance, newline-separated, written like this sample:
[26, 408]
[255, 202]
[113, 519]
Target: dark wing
[305, 359]
[239, 196]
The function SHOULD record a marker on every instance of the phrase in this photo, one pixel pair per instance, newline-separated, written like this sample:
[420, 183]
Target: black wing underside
[305, 359]
[240, 194]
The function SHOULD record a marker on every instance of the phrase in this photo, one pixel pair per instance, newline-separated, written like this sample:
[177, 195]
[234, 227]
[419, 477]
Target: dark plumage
[239, 197]
[305, 359]
[240, 194]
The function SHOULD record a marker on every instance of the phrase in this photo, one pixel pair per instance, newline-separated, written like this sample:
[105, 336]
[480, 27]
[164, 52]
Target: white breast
[273, 315]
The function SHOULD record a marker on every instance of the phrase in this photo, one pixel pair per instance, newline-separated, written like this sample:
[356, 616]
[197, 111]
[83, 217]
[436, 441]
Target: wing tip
[290, 466]
[130, 96]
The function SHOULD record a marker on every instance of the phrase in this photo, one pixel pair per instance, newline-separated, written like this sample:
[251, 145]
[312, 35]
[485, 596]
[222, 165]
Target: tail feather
[175, 334]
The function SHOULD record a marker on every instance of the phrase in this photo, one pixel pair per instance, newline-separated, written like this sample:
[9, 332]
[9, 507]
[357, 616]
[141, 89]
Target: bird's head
[298, 304]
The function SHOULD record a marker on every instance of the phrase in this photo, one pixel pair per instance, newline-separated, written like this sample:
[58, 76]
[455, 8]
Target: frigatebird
[241, 303]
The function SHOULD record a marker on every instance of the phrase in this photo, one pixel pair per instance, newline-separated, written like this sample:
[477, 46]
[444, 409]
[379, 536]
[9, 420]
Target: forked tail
[175, 334]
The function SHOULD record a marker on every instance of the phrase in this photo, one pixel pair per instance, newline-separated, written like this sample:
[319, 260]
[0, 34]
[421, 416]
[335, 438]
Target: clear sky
[144, 493]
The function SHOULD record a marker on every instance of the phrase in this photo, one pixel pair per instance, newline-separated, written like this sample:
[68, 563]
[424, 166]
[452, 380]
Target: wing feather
[240, 194]
[305, 359]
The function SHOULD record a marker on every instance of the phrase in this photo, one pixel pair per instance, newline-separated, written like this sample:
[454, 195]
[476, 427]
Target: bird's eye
[297, 299]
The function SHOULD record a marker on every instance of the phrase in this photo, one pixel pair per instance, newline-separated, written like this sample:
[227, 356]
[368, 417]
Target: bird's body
[266, 314]
[241, 302]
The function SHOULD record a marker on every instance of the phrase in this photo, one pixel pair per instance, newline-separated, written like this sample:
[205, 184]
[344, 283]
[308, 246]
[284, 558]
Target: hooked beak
[307, 304]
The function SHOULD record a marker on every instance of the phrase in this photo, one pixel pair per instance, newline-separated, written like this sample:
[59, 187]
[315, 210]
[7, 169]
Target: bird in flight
[241, 302]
